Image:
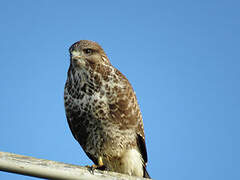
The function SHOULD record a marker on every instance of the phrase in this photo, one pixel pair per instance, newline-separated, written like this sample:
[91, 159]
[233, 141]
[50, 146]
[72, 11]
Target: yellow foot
[94, 166]
[100, 166]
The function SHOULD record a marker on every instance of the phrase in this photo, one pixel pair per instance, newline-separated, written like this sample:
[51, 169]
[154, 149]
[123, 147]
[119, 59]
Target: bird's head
[85, 53]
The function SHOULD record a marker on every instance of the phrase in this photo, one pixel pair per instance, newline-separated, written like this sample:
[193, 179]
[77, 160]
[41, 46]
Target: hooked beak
[75, 58]
[77, 61]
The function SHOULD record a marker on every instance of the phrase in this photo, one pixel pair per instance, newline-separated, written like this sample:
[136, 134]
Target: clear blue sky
[182, 58]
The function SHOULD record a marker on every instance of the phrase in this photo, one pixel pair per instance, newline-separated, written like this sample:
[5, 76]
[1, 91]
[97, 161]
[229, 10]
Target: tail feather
[145, 173]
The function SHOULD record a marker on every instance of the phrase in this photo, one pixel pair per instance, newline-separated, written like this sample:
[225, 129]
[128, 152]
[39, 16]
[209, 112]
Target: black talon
[92, 169]
[102, 168]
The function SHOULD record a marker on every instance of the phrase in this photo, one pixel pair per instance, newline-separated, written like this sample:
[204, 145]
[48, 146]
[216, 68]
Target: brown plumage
[102, 111]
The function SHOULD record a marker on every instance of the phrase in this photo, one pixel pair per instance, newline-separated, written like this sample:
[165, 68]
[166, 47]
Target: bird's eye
[88, 51]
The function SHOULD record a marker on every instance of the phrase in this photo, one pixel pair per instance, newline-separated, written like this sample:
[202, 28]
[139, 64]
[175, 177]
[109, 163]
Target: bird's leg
[99, 166]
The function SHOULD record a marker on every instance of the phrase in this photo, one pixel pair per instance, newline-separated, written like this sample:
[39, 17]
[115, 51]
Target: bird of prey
[103, 113]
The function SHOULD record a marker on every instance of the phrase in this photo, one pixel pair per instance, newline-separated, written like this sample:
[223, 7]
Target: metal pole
[47, 169]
